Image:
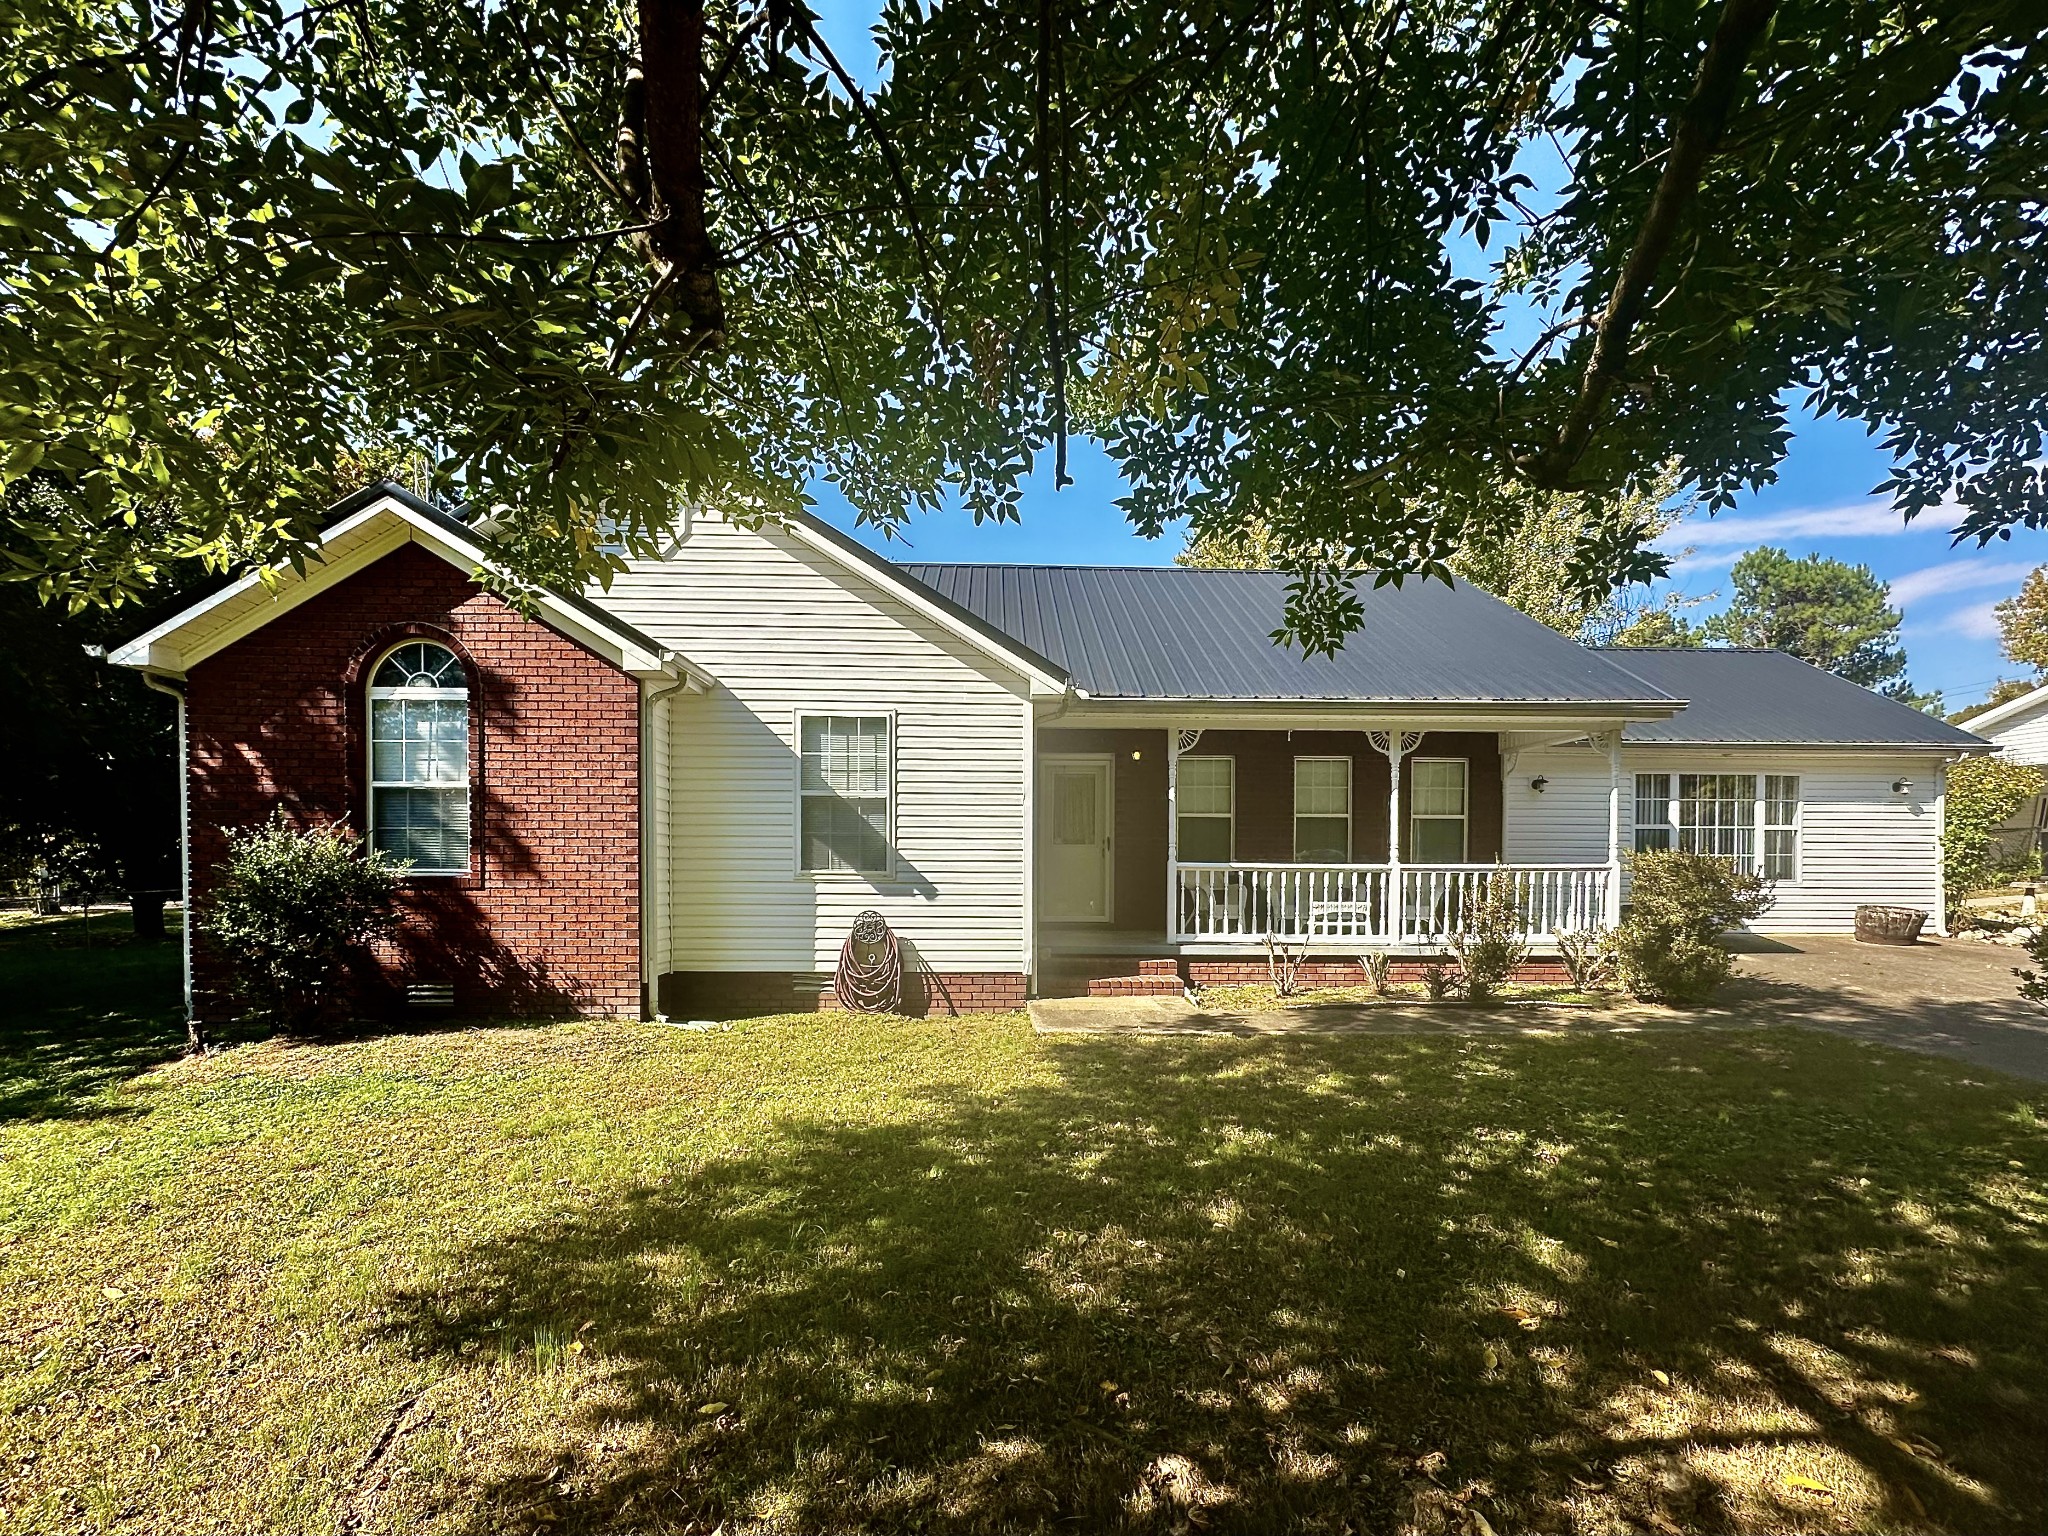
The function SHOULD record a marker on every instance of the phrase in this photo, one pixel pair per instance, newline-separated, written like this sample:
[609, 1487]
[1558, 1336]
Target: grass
[827, 1274]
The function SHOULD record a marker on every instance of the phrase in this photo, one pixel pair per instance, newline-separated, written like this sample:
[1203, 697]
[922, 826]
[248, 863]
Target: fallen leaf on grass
[710, 1408]
[1808, 1485]
[1661, 1378]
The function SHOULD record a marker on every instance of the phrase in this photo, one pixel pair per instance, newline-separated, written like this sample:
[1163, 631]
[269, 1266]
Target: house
[2018, 728]
[679, 793]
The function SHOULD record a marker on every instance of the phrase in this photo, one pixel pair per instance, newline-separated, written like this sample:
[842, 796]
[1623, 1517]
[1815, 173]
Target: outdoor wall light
[1902, 786]
[1539, 783]
[1137, 754]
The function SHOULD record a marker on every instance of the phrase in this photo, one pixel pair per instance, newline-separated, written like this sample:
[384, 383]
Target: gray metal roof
[1164, 632]
[1755, 697]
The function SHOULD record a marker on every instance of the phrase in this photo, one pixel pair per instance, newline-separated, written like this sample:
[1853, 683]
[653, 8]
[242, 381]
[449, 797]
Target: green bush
[2034, 984]
[1488, 942]
[1983, 794]
[1679, 904]
[290, 907]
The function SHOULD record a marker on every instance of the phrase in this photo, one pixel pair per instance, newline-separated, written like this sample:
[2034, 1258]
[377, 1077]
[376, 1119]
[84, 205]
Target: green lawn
[826, 1274]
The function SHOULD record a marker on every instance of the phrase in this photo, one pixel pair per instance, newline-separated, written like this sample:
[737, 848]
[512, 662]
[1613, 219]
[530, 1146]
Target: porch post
[1396, 745]
[1172, 834]
[1613, 744]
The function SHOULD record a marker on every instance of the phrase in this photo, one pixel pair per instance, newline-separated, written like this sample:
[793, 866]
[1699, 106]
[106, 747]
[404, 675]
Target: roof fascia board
[156, 651]
[849, 555]
[1890, 748]
[1339, 715]
[2011, 709]
[132, 653]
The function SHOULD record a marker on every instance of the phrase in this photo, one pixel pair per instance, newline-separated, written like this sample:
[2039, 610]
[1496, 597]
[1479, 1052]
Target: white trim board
[186, 639]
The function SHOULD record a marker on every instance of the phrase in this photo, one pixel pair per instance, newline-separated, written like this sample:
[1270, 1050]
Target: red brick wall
[548, 919]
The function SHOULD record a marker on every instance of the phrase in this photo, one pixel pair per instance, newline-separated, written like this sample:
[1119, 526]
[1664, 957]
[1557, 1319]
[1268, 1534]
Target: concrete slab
[1177, 1015]
[1950, 998]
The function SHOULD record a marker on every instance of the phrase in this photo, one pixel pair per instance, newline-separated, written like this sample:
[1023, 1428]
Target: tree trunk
[672, 63]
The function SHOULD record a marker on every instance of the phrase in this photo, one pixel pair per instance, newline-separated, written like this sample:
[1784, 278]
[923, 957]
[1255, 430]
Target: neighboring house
[2018, 728]
[679, 793]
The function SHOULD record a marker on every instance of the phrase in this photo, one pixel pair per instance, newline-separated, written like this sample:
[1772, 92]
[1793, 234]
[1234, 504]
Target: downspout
[649, 981]
[193, 1041]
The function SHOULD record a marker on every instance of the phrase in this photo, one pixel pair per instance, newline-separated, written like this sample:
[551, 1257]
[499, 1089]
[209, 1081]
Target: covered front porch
[1212, 840]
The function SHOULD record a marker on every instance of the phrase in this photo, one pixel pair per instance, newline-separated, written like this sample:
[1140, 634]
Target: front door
[1074, 813]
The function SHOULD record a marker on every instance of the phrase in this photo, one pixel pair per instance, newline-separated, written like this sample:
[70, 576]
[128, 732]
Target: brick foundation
[548, 919]
[1130, 976]
[746, 994]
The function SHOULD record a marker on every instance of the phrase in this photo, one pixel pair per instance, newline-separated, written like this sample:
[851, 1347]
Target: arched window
[419, 758]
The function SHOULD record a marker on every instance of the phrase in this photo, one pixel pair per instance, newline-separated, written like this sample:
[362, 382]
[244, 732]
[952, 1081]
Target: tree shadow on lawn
[75, 1020]
[1682, 1282]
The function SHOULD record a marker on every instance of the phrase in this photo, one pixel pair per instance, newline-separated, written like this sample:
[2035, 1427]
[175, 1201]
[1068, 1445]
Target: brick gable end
[548, 920]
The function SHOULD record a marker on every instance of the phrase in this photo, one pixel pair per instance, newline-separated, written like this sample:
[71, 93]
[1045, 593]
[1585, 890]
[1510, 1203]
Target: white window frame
[1350, 774]
[843, 712]
[1758, 859]
[1463, 818]
[1765, 826]
[1182, 816]
[372, 695]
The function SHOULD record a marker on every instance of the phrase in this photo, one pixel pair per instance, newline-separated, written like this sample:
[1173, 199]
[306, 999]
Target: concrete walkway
[1944, 997]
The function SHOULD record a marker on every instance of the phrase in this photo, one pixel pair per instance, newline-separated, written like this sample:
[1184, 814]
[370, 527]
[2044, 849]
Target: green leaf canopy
[601, 261]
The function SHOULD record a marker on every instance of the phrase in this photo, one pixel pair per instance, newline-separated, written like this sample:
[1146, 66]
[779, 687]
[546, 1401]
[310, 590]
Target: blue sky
[1821, 503]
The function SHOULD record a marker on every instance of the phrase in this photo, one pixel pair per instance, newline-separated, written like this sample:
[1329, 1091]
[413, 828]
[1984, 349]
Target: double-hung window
[1723, 814]
[1206, 794]
[844, 791]
[1322, 810]
[1781, 826]
[419, 758]
[1438, 813]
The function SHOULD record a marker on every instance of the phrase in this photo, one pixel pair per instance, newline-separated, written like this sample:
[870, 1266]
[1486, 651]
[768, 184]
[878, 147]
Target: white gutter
[177, 691]
[650, 979]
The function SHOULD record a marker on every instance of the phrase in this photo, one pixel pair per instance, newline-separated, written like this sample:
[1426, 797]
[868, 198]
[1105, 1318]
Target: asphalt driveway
[1946, 997]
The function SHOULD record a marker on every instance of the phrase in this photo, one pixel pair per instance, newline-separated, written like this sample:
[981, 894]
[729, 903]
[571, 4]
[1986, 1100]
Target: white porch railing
[1349, 905]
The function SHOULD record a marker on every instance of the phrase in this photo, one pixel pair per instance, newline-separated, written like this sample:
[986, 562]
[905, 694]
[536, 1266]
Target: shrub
[1376, 967]
[1588, 958]
[1488, 942]
[2034, 984]
[1983, 794]
[1438, 981]
[1680, 903]
[290, 907]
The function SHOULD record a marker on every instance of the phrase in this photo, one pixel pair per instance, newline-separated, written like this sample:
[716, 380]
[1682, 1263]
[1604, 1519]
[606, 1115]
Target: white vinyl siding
[1205, 793]
[784, 632]
[2024, 738]
[1854, 841]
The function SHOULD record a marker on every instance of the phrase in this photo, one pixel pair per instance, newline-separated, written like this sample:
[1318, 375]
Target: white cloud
[1959, 575]
[1976, 622]
[1854, 520]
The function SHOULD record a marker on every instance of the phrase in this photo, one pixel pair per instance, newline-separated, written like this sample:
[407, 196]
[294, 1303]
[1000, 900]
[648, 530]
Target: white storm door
[1074, 837]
